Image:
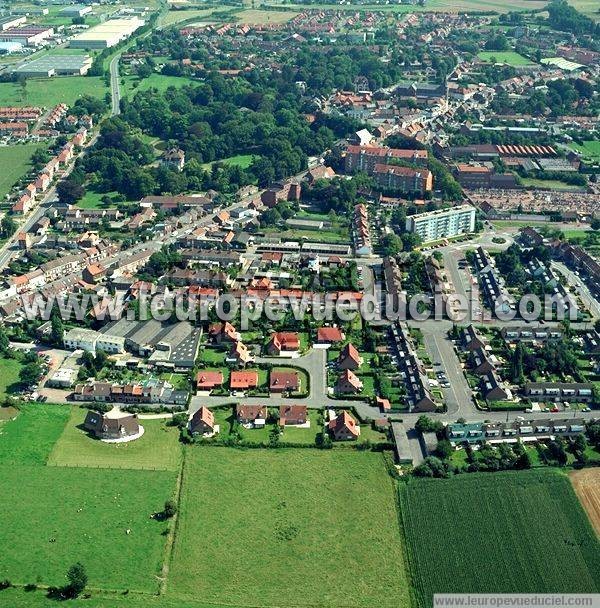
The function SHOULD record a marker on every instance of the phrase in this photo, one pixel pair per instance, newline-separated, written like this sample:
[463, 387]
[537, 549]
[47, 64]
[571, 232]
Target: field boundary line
[170, 544]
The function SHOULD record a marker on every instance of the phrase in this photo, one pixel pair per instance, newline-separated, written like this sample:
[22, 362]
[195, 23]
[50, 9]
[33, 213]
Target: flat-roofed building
[29, 36]
[442, 223]
[11, 21]
[54, 65]
[107, 34]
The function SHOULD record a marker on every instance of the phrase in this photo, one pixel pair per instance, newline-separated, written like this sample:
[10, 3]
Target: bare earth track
[587, 488]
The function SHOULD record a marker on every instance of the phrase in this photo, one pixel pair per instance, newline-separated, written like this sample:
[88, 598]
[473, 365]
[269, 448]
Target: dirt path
[587, 487]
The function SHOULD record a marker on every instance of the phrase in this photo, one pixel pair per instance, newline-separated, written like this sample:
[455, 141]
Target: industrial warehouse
[106, 34]
[56, 65]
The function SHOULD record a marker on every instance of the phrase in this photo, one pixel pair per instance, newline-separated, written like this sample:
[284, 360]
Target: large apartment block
[403, 179]
[365, 158]
[442, 223]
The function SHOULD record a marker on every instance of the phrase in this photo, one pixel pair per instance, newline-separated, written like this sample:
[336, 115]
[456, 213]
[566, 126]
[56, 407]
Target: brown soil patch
[7, 413]
[587, 486]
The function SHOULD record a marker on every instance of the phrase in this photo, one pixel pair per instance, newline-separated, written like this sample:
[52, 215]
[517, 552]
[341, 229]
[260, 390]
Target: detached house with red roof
[348, 382]
[223, 332]
[283, 341]
[344, 428]
[292, 415]
[239, 354]
[208, 380]
[254, 416]
[282, 381]
[203, 423]
[243, 380]
[349, 357]
[330, 335]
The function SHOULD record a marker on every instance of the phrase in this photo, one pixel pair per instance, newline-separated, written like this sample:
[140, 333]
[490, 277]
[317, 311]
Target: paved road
[115, 86]
[459, 397]
[584, 293]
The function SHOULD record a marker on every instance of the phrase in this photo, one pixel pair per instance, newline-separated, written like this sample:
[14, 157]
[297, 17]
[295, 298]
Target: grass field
[9, 376]
[177, 16]
[48, 92]
[15, 163]
[53, 517]
[93, 200]
[262, 17]
[154, 81]
[241, 160]
[552, 184]
[508, 57]
[587, 7]
[507, 532]
[28, 439]
[437, 5]
[589, 150]
[159, 447]
[288, 527]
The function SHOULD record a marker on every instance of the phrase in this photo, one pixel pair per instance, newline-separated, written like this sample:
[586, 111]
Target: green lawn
[288, 528]
[306, 436]
[49, 92]
[158, 448]
[178, 381]
[9, 376]
[93, 200]
[213, 356]
[590, 150]
[434, 5]
[515, 532]
[53, 517]
[15, 163]
[508, 57]
[177, 16]
[553, 184]
[318, 236]
[155, 81]
[29, 438]
[241, 160]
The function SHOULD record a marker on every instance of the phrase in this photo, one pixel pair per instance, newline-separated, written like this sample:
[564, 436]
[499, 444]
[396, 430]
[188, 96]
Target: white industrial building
[442, 223]
[107, 34]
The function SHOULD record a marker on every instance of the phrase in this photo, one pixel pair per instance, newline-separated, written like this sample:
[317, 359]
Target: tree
[69, 191]
[425, 424]
[77, 580]
[7, 226]
[170, 509]
[30, 373]
[391, 244]
[444, 449]
[57, 328]
[4, 342]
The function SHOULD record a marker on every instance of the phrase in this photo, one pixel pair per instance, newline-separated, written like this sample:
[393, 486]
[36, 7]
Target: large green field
[15, 163]
[288, 527]
[590, 150]
[431, 5]
[504, 533]
[154, 81]
[49, 92]
[508, 57]
[9, 376]
[53, 517]
[158, 448]
[29, 438]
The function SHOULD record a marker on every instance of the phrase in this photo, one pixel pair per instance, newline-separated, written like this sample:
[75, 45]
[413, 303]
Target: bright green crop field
[503, 532]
